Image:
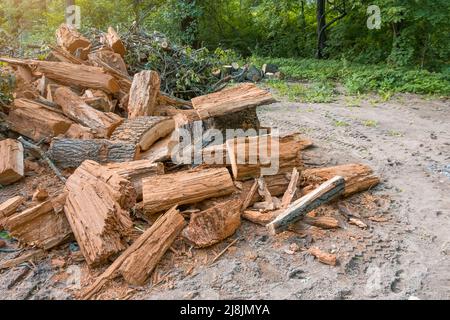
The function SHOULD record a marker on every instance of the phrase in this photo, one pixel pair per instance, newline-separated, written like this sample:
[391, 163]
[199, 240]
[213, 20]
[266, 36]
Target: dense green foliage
[409, 53]
[361, 78]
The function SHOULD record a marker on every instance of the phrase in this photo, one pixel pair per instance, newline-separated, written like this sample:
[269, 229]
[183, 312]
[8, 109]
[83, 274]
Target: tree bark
[325, 193]
[70, 153]
[321, 32]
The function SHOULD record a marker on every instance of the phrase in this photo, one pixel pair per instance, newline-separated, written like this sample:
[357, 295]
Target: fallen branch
[35, 148]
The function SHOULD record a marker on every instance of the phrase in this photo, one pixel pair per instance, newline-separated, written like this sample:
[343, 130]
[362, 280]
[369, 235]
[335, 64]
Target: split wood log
[138, 262]
[250, 195]
[160, 151]
[358, 177]
[62, 55]
[143, 131]
[185, 188]
[51, 88]
[9, 207]
[114, 42]
[143, 94]
[43, 225]
[231, 100]
[291, 190]
[258, 217]
[78, 75]
[77, 131]
[70, 153]
[326, 258]
[252, 157]
[97, 209]
[165, 99]
[70, 39]
[215, 224]
[135, 171]
[32, 255]
[35, 121]
[111, 59]
[11, 161]
[322, 222]
[99, 100]
[325, 193]
[76, 109]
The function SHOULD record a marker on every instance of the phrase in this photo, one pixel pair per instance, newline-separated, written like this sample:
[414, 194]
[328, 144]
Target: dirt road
[406, 140]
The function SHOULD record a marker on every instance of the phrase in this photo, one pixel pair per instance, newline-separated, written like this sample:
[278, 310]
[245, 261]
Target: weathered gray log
[325, 193]
[70, 153]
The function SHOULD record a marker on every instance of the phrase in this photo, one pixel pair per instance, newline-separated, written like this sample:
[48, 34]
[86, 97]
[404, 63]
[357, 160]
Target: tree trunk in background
[321, 23]
[189, 25]
[68, 4]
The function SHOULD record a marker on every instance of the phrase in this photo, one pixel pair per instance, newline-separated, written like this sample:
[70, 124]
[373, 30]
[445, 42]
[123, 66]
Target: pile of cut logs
[109, 137]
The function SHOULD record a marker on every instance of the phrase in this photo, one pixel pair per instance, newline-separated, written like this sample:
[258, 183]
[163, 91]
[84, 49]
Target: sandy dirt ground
[407, 142]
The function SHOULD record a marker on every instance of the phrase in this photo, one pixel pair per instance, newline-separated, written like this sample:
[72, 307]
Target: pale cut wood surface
[11, 161]
[143, 94]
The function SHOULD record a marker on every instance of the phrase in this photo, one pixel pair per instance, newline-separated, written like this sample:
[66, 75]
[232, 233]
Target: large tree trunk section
[162, 192]
[144, 131]
[215, 224]
[143, 94]
[9, 207]
[43, 225]
[114, 42]
[97, 209]
[252, 156]
[231, 100]
[358, 177]
[70, 39]
[78, 75]
[140, 259]
[246, 119]
[135, 171]
[70, 153]
[11, 161]
[35, 121]
[111, 59]
[76, 109]
[325, 193]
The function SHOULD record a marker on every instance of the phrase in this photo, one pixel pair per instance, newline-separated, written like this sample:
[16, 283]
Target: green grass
[339, 123]
[370, 123]
[298, 92]
[357, 78]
